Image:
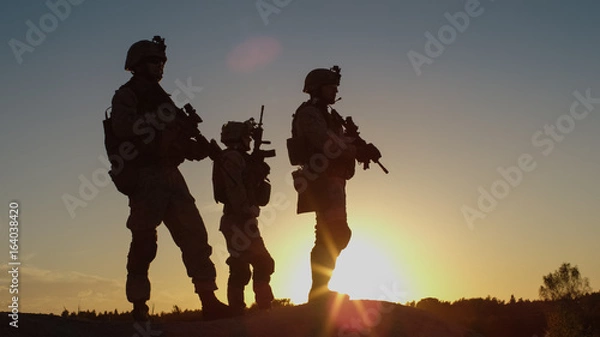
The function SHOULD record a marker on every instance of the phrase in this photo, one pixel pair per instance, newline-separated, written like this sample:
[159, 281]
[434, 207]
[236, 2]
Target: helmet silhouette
[319, 77]
[233, 132]
[145, 49]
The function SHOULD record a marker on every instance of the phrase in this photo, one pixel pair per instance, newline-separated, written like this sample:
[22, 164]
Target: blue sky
[443, 133]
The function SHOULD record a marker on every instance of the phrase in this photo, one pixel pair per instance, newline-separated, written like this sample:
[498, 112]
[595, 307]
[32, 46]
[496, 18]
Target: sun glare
[364, 271]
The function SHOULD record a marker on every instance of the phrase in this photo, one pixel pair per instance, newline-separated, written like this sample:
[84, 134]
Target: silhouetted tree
[282, 302]
[565, 283]
[567, 318]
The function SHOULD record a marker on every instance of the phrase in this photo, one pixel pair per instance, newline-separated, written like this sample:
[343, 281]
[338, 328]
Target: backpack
[258, 193]
[218, 181]
[121, 171]
[298, 153]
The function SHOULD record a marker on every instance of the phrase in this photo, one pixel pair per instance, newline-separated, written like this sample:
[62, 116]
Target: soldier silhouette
[239, 182]
[327, 160]
[149, 132]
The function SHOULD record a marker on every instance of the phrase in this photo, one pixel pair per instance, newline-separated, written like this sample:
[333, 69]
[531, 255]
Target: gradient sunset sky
[501, 91]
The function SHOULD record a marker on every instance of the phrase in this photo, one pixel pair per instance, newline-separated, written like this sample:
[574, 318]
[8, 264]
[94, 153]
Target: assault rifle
[260, 168]
[366, 153]
[257, 136]
[196, 146]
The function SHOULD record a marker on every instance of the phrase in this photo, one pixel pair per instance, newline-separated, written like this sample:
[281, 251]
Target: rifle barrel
[382, 167]
[262, 110]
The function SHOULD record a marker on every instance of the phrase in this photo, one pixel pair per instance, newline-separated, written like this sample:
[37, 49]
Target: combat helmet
[233, 132]
[319, 77]
[145, 49]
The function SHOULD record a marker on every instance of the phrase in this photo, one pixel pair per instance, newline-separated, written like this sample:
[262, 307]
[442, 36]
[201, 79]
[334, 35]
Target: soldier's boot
[263, 294]
[212, 308]
[140, 311]
[326, 295]
[235, 298]
[319, 290]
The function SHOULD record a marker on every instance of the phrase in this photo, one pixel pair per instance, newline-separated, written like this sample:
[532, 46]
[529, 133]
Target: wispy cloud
[45, 291]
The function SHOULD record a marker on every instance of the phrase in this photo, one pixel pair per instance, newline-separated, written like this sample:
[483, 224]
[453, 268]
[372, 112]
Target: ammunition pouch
[312, 193]
[262, 193]
[122, 172]
[297, 152]
[257, 183]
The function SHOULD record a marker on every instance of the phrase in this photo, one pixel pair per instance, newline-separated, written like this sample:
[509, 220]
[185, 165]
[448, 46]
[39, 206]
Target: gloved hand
[195, 150]
[366, 153]
[263, 170]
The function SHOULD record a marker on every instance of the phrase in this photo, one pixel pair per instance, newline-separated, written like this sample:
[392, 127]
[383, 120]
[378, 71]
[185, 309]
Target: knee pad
[264, 268]
[341, 236]
[141, 251]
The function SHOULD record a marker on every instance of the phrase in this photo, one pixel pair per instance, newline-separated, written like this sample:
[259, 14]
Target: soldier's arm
[124, 114]
[233, 168]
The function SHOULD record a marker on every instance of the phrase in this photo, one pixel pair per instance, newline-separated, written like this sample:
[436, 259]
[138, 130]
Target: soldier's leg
[189, 233]
[263, 266]
[147, 203]
[141, 252]
[239, 276]
[239, 268]
[332, 235]
[186, 226]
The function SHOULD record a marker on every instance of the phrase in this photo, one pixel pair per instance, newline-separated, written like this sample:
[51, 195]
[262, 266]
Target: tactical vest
[124, 171]
[300, 150]
[149, 99]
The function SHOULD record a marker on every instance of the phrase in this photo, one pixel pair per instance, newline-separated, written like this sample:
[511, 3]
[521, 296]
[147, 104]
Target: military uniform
[326, 182]
[160, 194]
[327, 159]
[146, 120]
[235, 175]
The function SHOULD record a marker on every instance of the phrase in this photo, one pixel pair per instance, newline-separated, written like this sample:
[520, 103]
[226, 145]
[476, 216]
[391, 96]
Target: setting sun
[365, 271]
